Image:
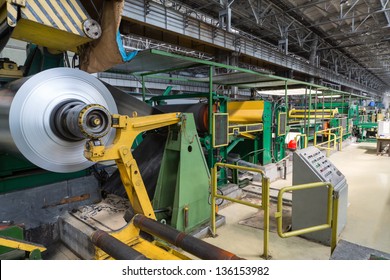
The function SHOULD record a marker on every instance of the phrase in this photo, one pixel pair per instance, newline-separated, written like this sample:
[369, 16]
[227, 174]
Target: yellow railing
[334, 135]
[331, 216]
[304, 137]
[312, 113]
[264, 200]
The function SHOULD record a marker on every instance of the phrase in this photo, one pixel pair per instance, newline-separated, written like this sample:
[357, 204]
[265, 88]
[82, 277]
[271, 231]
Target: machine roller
[46, 118]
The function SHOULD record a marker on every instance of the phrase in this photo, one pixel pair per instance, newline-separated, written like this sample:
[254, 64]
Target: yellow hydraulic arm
[127, 129]
[126, 243]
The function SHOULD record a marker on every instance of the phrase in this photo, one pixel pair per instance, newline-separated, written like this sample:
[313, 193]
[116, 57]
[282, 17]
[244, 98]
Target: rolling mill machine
[57, 124]
[64, 120]
[254, 130]
[46, 115]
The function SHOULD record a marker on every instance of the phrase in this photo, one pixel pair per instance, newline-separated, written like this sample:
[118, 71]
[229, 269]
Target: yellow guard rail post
[331, 217]
[304, 137]
[264, 200]
[332, 137]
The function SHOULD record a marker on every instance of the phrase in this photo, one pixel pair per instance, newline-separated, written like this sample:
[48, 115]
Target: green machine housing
[182, 191]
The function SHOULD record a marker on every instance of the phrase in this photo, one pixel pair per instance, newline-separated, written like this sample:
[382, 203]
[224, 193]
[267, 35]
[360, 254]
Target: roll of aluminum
[29, 117]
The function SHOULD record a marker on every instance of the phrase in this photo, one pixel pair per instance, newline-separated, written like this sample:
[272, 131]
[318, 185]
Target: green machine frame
[181, 199]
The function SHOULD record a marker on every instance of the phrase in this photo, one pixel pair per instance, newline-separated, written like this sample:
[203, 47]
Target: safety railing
[331, 216]
[334, 136]
[312, 113]
[264, 200]
[304, 137]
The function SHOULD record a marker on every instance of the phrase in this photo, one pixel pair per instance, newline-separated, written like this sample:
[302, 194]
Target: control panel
[322, 166]
[309, 206]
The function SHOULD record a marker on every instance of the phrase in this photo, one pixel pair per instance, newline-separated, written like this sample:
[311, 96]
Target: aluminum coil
[31, 112]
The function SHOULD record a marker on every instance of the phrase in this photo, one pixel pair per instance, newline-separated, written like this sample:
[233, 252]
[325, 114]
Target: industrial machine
[366, 127]
[46, 119]
[268, 146]
[42, 139]
[13, 246]
[309, 206]
[308, 121]
[254, 130]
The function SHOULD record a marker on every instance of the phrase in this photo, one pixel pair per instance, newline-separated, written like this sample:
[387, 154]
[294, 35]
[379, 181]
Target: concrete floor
[368, 219]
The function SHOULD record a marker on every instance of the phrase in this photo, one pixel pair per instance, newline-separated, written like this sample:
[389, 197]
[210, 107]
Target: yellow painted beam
[46, 36]
[154, 252]
[20, 244]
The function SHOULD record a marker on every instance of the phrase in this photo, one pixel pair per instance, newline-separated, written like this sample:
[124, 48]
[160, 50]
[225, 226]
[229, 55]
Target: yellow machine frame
[127, 130]
[55, 26]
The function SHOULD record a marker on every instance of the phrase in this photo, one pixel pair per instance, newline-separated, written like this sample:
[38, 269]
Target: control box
[309, 207]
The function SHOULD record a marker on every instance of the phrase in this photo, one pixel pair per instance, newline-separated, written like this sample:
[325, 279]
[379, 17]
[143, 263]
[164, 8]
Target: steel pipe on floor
[190, 244]
[114, 247]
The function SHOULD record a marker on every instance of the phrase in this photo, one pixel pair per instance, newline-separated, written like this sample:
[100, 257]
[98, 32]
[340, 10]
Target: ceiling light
[295, 91]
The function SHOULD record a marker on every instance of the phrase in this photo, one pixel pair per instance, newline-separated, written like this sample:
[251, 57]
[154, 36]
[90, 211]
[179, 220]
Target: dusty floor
[368, 220]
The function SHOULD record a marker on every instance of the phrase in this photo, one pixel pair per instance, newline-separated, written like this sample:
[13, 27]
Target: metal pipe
[329, 215]
[264, 202]
[192, 245]
[241, 162]
[114, 247]
[266, 207]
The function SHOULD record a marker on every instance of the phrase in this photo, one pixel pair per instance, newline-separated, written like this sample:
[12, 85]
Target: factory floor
[368, 218]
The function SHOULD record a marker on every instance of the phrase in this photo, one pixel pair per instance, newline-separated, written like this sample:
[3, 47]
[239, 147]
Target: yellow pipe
[264, 205]
[301, 135]
[278, 214]
[239, 201]
[265, 202]
[332, 137]
[232, 166]
[20, 244]
[313, 110]
[303, 231]
[313, 113]
[333, 241]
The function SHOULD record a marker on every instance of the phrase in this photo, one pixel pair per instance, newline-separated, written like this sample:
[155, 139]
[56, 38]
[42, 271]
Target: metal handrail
[332, 138]
[331, 216]
[301, 135]
[264, 197]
